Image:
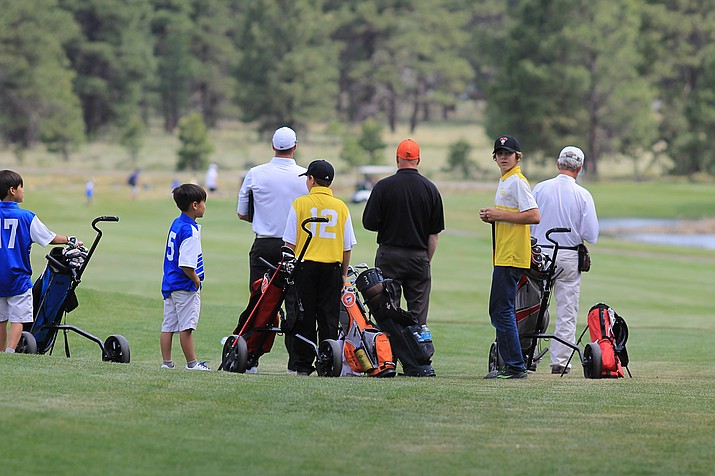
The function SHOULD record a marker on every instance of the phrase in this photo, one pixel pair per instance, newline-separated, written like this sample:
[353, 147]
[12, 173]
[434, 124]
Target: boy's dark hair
[322, 182]
[9, 179]
[186, 194]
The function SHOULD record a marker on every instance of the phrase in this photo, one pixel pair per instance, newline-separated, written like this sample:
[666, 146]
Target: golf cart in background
[368, 177]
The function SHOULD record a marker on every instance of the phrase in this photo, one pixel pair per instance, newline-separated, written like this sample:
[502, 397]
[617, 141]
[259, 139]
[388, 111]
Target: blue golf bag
[53, 296]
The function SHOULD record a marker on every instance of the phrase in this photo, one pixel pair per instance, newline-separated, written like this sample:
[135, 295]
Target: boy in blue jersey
[183, 273]
[18, 230]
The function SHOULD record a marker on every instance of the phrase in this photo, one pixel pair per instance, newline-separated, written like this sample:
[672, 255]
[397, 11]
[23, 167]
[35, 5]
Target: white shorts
[16, 308]
[181, 311]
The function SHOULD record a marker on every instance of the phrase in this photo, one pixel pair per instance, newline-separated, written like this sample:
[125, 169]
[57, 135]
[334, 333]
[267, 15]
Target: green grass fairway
[82, 416]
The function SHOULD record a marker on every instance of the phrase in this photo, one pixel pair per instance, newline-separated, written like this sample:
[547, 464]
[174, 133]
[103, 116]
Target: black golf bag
[381, 297]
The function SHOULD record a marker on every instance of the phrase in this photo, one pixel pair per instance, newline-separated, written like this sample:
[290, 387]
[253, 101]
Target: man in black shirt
[406, 211]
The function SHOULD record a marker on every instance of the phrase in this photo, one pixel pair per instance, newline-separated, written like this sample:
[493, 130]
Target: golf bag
[53, 295]
[609, 330]
[365, 348]
[531, 307]
[528, 304]
[381, 297]
[258, 323]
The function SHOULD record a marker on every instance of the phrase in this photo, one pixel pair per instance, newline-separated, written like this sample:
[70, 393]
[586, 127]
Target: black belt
[572, 248]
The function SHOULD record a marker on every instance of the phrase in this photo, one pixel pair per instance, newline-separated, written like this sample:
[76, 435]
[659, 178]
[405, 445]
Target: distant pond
[687, 233]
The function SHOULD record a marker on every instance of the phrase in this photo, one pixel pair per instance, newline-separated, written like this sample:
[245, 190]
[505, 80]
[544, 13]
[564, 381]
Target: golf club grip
[556, 230]
[304, 225]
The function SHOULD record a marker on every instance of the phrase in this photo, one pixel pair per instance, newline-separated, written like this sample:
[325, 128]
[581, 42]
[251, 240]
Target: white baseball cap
[571, 156]
[284, 138]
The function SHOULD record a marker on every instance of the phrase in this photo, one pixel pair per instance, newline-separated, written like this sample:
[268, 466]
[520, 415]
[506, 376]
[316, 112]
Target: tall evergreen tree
[213, 84]
[430, 68]
[286, 73]
[36, 97]
[570, 74]
[678, 45]
[112, 58]
[177, 67]
[400, 53]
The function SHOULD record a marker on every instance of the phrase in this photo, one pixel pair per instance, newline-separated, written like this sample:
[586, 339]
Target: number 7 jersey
[18, 230]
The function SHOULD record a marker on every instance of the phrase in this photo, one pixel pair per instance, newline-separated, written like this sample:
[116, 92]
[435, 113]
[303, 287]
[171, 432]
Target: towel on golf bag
[610, 332]
[381, 297]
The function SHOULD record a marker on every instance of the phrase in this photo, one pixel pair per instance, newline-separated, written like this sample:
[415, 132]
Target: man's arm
[371, 212]
[244, 208]
[432, 241]
[345, 265]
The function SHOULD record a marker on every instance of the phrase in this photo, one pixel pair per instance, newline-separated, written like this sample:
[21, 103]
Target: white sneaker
[252, 370]
[164, 366]
[198, 366]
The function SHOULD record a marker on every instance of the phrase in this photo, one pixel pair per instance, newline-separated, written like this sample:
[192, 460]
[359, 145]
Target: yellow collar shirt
[329, 239]
[513, 241]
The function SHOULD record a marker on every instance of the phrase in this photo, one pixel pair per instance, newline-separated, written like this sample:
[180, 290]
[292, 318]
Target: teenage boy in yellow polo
[321, 274]
[513, 211]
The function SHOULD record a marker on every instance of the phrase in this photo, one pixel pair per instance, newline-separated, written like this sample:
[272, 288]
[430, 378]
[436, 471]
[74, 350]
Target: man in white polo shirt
[264, 199]
[565, 204]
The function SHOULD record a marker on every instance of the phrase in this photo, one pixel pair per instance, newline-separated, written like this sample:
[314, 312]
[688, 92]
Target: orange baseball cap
[408, 150]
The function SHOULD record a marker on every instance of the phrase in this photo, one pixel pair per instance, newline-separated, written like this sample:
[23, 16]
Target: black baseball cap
[320, 169]
[508, 143]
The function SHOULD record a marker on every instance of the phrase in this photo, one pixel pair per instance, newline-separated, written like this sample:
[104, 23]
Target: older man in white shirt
[565, 204]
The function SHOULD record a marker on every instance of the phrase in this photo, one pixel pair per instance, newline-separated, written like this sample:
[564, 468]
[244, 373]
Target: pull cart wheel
[27, 344]
[592, 361]
[330, 358]
[116, 349]
[495, 360]
[235, 354]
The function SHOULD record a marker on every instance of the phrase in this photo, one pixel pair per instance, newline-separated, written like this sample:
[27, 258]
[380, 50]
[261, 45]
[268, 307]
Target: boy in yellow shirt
[321, 274]
[514, 210]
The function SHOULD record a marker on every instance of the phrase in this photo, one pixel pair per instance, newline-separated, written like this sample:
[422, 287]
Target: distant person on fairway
[565, 204]
[183, 273]
[89, 190]
[513, 211]
[265, 197]
[19, 229]
[324, 269]
[212, 178]
[133, 182]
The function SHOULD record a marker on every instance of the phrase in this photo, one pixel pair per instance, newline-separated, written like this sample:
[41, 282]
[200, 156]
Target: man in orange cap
[405, 209]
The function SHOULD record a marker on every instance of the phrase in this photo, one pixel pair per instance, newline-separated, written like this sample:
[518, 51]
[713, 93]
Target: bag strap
[601, 315]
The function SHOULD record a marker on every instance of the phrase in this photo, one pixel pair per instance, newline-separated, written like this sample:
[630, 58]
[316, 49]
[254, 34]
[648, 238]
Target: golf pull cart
[532, 314]
[54, 296]
[259, 323]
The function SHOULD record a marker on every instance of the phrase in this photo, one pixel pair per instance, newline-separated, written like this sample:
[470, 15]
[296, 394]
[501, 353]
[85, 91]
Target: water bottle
[364, 360]
[418, 336]
[426, 334]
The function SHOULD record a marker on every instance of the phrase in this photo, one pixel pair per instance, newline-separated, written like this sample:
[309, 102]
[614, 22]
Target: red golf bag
[610, 332]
